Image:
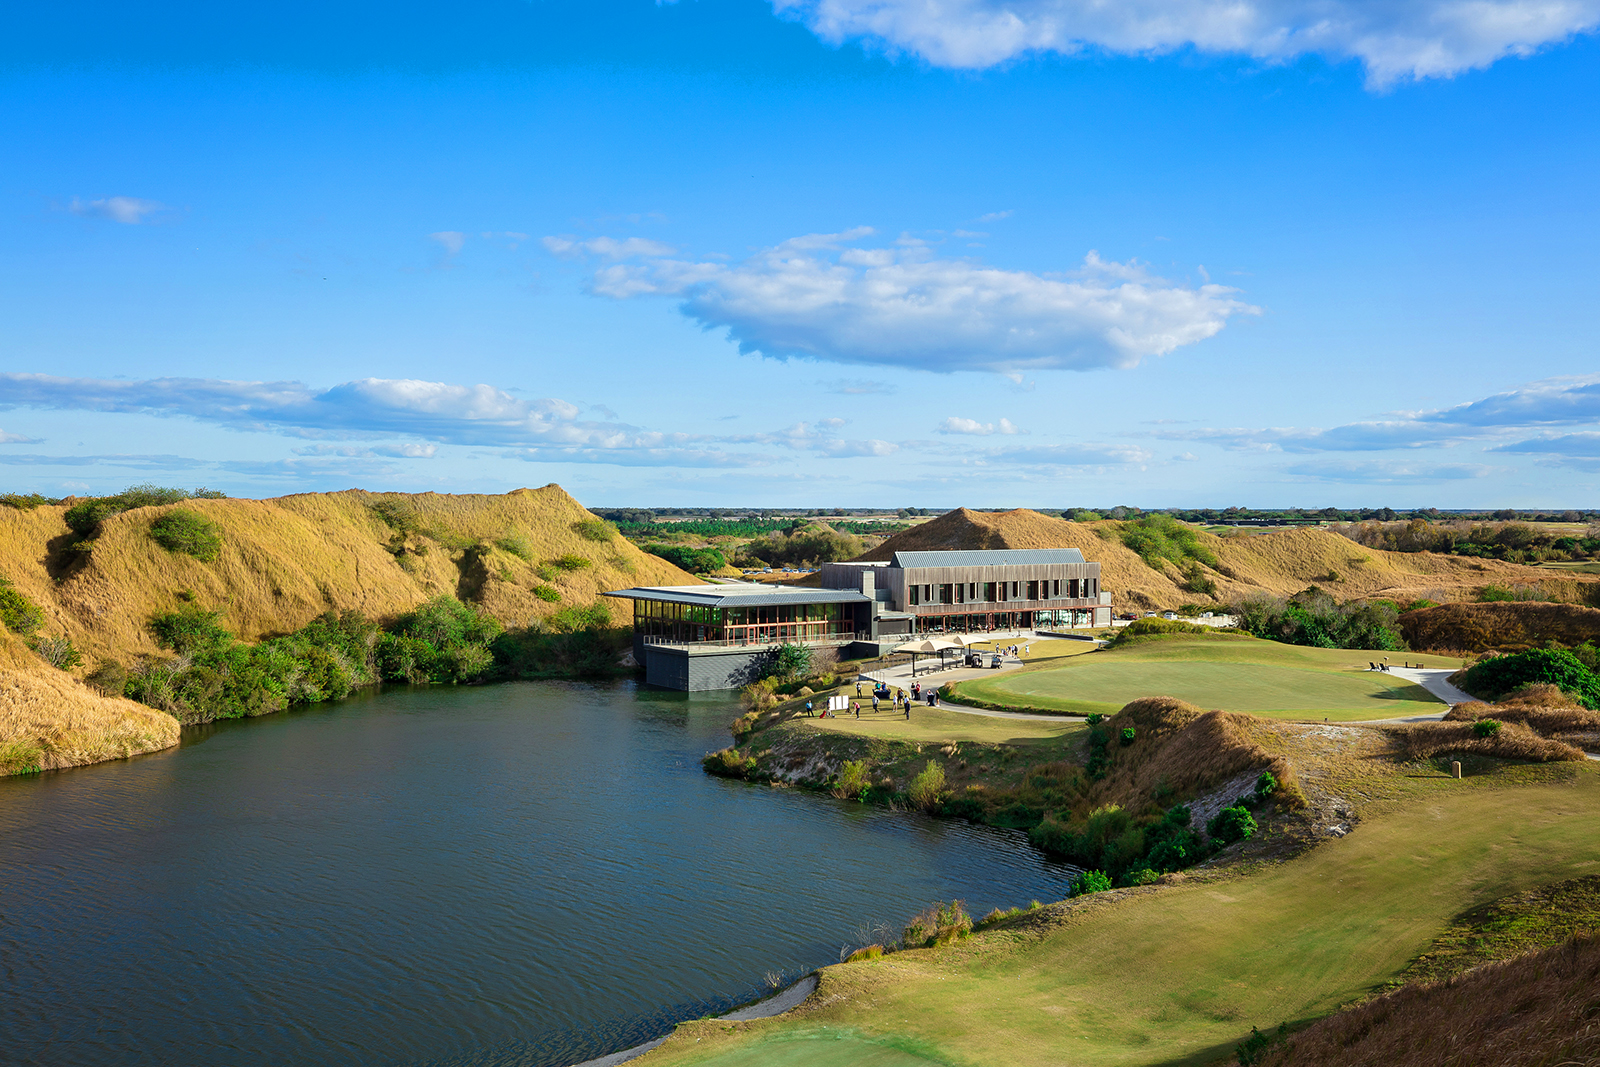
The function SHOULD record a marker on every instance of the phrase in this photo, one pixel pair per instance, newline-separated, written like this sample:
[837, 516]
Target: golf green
[1259, 677]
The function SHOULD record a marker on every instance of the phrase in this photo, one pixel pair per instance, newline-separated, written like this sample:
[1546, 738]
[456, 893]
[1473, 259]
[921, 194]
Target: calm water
[517, 874]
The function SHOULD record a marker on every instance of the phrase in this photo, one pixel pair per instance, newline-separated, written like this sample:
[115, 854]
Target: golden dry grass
[1506, 626]
[1279, 563]
[49, 720]
[1513, 741]
[1541, 707]
[289, 559]
[1539, 1009]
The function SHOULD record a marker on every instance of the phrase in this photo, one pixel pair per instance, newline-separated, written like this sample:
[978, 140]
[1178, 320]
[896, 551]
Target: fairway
[1235, 674]
[939, 725]
[1180, 974]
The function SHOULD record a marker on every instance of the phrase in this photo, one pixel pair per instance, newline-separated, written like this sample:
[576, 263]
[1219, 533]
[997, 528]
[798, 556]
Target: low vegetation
[1314, 618]
[1514, 541]
[189, 532]
[1493, 677]
[694, 560]
[85, 517]
[1511, 626]
[808, 545]
[20, 615]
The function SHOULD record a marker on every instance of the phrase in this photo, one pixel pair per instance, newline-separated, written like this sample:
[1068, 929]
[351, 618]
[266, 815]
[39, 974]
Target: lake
[529, 874]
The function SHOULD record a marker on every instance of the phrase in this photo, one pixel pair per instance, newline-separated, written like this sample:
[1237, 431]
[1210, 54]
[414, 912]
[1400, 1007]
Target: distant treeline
[1310, 516]
[1515, 542]
[749, 527]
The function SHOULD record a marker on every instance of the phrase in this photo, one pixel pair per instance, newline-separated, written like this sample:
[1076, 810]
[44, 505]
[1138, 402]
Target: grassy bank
[1260, 677]
[1180, 973]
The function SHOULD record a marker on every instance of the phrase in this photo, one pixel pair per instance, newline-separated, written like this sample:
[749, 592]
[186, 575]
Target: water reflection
[520, 874]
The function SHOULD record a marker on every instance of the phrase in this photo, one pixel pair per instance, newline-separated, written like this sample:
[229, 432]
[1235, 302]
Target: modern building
[979, 591]
[698, 637]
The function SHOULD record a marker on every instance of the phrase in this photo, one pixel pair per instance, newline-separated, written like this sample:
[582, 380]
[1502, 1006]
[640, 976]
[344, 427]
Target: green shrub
[189, 629]
[728, 763]
[693, 560]
[593, 529]
[20, 615]
[1232, 824]
[1485, 728]
[516, 545]
[1146, 876]
[1314, 618]
[547, 593]
[1128, 734]
[57, 651]
[189, 532]
[1091, 882]
[108, 677]
[25, 501]
[441, 640]
[937, 924]
[1266, 785]
[85, 518]
[571, 562]
[926, 786]
[788, 663]
[1095, 719]
[1494, 677]
[854, 778]
[1158, 536]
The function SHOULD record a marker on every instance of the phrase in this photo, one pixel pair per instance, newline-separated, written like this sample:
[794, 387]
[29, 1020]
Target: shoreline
[785, 999]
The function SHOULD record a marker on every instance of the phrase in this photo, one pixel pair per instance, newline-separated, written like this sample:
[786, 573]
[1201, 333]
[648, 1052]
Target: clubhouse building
[699, 637]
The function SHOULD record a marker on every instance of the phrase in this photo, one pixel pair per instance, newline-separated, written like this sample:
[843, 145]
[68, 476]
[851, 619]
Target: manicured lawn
[929, 725]
[1180, 974]
[1235, 674]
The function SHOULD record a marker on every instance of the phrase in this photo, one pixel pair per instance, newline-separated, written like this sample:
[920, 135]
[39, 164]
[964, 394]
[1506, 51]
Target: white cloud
[16, 439]
[821, 437]
[995, 216]
[1394, 39]
[1386, 471]
[1073, 456]
[399, 450]
[957, 425]
[128, 210]
[815, 297]
[609, 247]
[451, 241]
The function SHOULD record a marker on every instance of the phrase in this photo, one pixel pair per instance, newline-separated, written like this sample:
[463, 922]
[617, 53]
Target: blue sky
[807, 252]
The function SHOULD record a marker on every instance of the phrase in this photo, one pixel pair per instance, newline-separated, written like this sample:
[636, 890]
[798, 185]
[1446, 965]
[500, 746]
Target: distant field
[1238, 674]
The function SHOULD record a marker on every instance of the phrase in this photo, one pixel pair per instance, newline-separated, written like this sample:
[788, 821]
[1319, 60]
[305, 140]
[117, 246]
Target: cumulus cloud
[1394, 39]
[956, 425]
[820, 297]
[128, 210]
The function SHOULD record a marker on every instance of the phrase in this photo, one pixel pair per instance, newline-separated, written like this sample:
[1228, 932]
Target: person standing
[874, 704]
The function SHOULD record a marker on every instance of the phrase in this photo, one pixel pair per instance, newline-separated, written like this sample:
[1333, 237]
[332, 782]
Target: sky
[807, 253]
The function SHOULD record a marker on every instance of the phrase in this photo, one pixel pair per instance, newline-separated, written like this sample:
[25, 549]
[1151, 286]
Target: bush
[20, 615]
[854, 779]
[57, 651]
[1485, 728]
[109, 678]
[189, 629]
[1158, 536]
[25, 501]
[1128, 734]
[1312, 617]
[189, 532]
[1091, 882]
[1144, 877]
[728, 763]
[1095, 719]
[1266, 785]
[85, 518]
[693, 560]
[1232, 824]
[593, 529]
[925, 787]
[547, 593]
[571, 562]
[937, 924]
[516, 545]
[442, 640]
[1491, 678]
[788, 663]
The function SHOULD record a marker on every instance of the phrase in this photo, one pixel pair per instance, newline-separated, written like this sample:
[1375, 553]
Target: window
[915, 599]
[947, 594]
[927, 593]
[1014, 586]
[972, 590]
[1033, 590]
[1058, 587]
[961, 593]
[988, 592]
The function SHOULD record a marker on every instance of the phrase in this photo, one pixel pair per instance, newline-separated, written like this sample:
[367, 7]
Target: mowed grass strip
[1260, 677]
[1180, 974]
[928, 725]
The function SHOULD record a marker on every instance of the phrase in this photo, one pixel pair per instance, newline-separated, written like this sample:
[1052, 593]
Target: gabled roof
[740, 595]
[998, 557]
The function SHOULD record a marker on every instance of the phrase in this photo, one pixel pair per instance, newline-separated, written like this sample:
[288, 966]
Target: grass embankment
[49, 720]
[1239, 673]
[1509, 626]
[1180, 973]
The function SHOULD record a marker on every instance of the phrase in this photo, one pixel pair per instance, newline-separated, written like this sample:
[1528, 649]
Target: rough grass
[1506, 626]
[1242, 674]
[288, 560]
[1282, 562]
[1179, 973]
[1536, 1011]
[1510, 927]
[1513, 741]
[1542, 708]
[49, 721]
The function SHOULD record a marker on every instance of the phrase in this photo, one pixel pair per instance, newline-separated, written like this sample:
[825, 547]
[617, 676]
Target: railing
[770, 641]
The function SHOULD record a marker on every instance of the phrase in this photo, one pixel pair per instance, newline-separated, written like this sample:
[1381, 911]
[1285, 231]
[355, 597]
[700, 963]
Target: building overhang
[738, 595]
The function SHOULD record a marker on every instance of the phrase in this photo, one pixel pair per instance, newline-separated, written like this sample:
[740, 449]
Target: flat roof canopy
[739, 595]
[994, 557]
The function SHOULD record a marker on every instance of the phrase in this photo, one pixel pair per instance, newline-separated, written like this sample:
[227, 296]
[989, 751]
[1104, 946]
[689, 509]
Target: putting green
[1237, 674]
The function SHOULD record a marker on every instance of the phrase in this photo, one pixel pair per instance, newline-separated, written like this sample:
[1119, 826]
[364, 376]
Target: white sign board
[839, 703]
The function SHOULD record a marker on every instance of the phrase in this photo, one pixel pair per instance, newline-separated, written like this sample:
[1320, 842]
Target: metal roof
[988, 557]
[740, 595]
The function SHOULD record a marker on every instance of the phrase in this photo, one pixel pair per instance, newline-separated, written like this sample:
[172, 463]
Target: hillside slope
[49, 720]
[287, 560]
[1279, 563]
